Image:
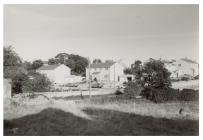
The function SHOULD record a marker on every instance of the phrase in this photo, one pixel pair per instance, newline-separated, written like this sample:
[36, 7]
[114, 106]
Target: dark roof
[102, 65]
[188, 60]
[48, 67]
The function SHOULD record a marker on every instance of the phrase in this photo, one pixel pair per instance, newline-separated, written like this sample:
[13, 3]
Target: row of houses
[182, 67]
[110, 71]
[104, 72]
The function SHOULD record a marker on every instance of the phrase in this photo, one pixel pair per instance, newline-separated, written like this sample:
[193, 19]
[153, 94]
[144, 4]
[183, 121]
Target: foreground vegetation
[104, 122]
[107, 115]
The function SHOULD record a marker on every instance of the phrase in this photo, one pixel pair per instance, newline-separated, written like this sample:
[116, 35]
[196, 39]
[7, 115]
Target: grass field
[105, 122]
[106, 116]
[100, 115]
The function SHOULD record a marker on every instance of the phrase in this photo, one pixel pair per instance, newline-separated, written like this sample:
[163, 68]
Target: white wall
[118, 72]
[106, 75]
[61, 73]
[58, 75]
[187, 68]
[7, 88]
[184, 68]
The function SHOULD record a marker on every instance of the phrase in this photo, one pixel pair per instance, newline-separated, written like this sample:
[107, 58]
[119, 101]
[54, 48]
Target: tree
[62, 57]
[95, 61]
[71, 64]
[127, 71]
[136, 69]
[155, 74]
[27, 65]
[11, 58]
[53, 61]
[13, 69]
[77, 64]
[37, 83]
[36, 64]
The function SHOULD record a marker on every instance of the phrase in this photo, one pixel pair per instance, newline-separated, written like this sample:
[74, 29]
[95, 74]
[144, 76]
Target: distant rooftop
[182, 59]
[48, 67]
[188, 60]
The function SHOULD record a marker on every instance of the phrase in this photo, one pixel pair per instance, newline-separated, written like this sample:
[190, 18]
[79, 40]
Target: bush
[196, 77]
[153, 73]
[133, 89]
[169, 94]
[37, 83]
[17, 82]
[185, 78]
[189, 95]
[118, 92]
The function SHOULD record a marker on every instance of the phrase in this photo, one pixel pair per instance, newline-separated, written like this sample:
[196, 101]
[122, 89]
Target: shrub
[133, 89]
[17, 82]
[196, 77]
[158, 95]
[189, 95]
[118, 92]
[37, 83]
[185, 78]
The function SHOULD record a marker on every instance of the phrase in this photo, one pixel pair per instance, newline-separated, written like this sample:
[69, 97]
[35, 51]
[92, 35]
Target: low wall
[7, 88]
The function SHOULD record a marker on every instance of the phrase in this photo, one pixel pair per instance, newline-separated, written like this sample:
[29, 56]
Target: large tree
[136, 69]
[155, 74]
[11, 58]
[77, 64]
[13, 69]
[36, 64]
[62, 57]
[95, 61]
[53, 61]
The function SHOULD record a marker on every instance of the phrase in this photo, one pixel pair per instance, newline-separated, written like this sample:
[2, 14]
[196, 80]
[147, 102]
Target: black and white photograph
[100, 70]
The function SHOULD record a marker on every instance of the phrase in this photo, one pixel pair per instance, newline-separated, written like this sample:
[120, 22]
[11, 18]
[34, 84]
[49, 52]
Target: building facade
[182, 67]
[57, 74]
[106, 72]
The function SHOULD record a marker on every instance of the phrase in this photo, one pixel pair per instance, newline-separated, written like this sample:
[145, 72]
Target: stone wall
[7, 88]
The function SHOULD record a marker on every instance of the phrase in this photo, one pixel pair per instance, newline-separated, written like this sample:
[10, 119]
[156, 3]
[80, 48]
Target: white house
[183, 66]
[106, 72]
[56, 73]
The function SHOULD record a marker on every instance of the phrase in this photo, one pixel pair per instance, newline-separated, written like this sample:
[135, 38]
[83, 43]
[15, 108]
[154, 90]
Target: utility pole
[114, 76]
[89, 77]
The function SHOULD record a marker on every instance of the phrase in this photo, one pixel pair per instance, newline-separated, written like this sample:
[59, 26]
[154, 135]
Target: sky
[127, 32]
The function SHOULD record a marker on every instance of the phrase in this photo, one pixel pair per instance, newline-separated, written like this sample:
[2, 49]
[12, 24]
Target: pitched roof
[48, 67]
[102, 65]
[95, 73]
[188, 60]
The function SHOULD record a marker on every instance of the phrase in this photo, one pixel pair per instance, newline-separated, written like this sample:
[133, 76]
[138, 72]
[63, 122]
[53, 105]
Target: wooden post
[114, 77]
[89, 77]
